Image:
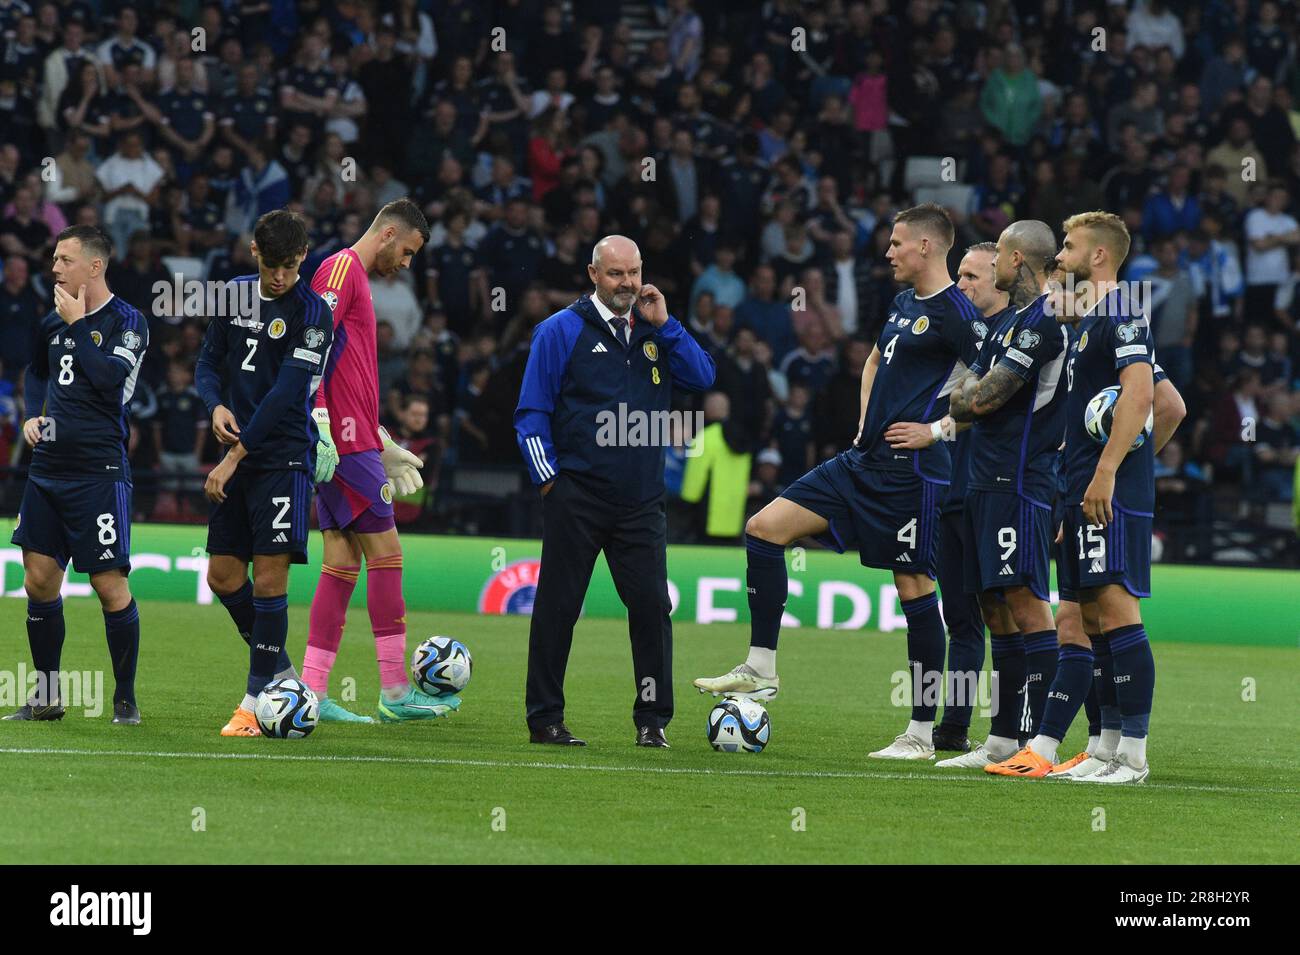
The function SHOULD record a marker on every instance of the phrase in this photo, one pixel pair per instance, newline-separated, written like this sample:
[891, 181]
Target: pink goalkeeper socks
[387, 618]
[329, 610]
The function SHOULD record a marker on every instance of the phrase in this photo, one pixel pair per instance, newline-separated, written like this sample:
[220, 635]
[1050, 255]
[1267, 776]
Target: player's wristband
[936, 430]
[322, 417]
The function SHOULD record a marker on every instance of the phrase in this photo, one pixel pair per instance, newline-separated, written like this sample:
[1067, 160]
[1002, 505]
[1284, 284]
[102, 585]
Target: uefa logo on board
[511, 589]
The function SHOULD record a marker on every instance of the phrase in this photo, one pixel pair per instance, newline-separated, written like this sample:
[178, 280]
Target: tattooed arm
[989, 394]
[961, 396]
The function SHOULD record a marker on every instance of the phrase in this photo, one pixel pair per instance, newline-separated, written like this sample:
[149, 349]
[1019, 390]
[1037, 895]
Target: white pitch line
[668, 770]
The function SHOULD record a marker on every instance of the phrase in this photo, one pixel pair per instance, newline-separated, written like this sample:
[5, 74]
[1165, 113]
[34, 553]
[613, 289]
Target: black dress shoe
[951, 739]
[34, 711]
[651, 736]
[126, 714]
[556, 733]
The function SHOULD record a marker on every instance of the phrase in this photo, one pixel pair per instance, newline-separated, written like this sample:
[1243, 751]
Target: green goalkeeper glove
[327, 456]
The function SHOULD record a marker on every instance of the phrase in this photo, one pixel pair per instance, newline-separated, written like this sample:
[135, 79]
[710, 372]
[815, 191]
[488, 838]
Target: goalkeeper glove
[327, 456]
[401, 466]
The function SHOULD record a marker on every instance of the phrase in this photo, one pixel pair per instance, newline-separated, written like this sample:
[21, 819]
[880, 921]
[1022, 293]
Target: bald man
[1015, 395]
[594, 369]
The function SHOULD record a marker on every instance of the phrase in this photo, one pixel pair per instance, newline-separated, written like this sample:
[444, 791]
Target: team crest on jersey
[131, 340]
[277, 328]
[331, 300]
[1128, 332]
[651, 351]
[1027, 339]
[981, 330]
[97, 338]
[920, 325]
[1083, 341]
[386, 492]
[311, 336]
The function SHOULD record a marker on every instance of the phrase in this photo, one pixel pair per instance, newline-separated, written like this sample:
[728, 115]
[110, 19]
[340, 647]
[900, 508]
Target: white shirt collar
[607, 313]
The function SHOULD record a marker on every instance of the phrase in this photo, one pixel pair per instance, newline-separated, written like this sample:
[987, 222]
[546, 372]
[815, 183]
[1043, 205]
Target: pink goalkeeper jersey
[350, 388]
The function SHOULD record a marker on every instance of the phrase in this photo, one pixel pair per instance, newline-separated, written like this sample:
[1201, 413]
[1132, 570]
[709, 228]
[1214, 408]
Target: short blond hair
[1106, 228]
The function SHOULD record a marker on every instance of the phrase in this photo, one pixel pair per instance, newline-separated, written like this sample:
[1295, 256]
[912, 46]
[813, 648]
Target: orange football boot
[1070, 763]
[1024, 763]
[243, 723]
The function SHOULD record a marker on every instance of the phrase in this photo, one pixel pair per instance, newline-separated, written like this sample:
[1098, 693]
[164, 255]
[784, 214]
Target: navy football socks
[122, 628]
[1040, 670]
[924, 652]
[270, 630]
[1008, 652]
[965, 661]
[45, 633]
[240, 607]
[768, 586]
[1104, 678]
[1068, 691]
[1135, 677]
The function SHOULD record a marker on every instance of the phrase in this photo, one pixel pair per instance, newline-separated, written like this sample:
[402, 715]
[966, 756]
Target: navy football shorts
[265, 512]
[1119, 553]
[1059, 551]
[88, 522]
[890, 517]
[1010, 543]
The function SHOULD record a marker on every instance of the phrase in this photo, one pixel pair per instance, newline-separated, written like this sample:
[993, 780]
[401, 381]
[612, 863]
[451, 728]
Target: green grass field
[1225, 785]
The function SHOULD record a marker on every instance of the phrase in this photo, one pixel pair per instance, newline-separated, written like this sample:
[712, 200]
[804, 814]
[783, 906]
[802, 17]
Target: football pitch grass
[1225, 783]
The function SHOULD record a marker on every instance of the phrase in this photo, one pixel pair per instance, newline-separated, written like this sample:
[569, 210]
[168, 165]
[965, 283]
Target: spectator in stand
[547, 150]
[20, 311]
[1173, 313]
[1010, 100]
[1275, 449]
[1172, 209]
[765, 315]
[720, 281]
[180, 430]
[1270, 232]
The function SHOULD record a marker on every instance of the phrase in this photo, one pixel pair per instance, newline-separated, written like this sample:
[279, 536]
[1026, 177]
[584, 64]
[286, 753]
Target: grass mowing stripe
[506, 764]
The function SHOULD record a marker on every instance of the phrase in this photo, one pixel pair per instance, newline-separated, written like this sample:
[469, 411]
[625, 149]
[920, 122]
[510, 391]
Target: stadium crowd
[755, 151]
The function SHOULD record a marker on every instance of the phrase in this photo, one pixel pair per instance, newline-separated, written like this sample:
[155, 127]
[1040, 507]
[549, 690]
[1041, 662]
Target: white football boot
[977, 758]
[905, 746]
[743, 682]
[1117, 771]
[1079, 770]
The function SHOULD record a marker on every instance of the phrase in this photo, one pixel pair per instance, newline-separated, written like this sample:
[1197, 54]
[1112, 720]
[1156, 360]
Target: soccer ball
[739, 725]
[287, 709]
[1100, 414]
[441, 666]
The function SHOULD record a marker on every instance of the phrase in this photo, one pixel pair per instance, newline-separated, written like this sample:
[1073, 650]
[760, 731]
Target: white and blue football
[287, 709]
[1099, 415]
[739, 726]
[441, 666]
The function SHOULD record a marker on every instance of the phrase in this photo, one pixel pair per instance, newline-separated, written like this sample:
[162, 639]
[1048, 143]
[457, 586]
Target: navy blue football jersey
[1014, 448]
[1111, 337]
[982, 329]
[91, 426]
[925, 346]
[247, 352]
